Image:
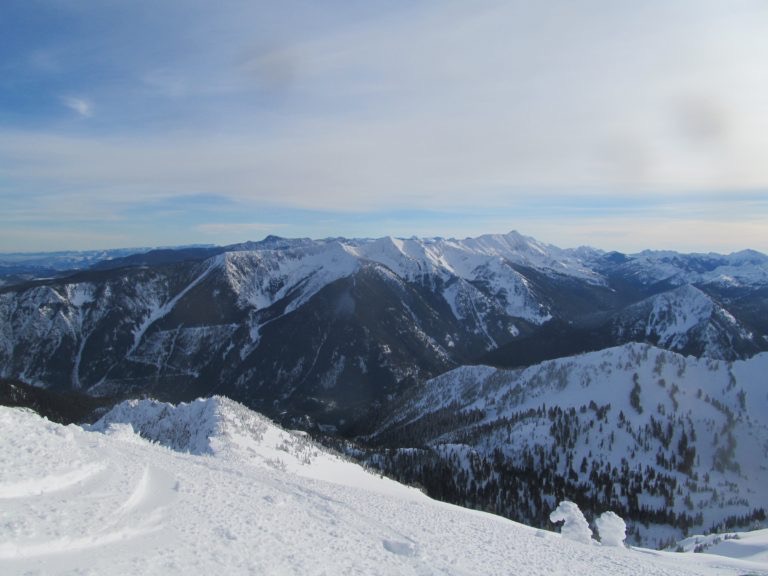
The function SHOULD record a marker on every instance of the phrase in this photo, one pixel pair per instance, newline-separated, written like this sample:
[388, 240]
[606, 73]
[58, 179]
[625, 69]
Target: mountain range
[335, 329]
[497, 372]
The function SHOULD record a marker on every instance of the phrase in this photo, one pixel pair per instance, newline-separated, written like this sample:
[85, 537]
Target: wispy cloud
[81, 106]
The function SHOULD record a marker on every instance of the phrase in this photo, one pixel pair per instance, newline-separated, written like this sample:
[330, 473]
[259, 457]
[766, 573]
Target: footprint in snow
[400, 548]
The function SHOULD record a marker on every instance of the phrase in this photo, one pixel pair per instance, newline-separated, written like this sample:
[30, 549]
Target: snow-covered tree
[611, 528]
[575, 526]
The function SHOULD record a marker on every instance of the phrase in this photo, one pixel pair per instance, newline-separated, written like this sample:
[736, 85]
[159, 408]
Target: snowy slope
[419, 256]
[685, 320]
[262, 277]
[676, 441]
[752, 546]
[221, 427]
[86, 502]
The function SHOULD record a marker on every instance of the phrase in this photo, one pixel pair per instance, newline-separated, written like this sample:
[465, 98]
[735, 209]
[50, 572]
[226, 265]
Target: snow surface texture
[611, 528]
[575, 526]
[254, 499]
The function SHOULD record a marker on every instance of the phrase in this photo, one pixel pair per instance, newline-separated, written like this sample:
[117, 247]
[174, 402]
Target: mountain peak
[188, 427]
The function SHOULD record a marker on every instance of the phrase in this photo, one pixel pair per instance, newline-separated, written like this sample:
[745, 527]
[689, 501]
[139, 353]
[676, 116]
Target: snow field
[241, 508]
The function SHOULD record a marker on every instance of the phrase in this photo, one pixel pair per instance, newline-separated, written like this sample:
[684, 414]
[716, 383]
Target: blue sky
[614, 124]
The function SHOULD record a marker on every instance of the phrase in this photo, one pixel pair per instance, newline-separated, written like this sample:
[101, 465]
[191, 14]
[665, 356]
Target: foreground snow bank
[75, 501]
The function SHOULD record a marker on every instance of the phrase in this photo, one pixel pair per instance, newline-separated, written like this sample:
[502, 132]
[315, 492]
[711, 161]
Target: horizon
[142, 249]
[620, 127]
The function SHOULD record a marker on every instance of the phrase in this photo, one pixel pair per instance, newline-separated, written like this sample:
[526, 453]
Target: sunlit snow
[213, 488]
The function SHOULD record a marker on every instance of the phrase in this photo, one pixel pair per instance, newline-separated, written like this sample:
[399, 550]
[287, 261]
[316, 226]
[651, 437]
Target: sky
[619, 125]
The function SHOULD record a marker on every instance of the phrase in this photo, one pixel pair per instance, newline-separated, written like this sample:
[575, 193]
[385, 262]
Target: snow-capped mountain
[674, 444]
[210, 488]
[336, 328]
[686, 320]
[745, 268]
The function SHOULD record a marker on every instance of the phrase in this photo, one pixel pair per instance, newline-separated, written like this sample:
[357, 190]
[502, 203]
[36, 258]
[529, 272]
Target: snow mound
[575, 526]
[611, 528]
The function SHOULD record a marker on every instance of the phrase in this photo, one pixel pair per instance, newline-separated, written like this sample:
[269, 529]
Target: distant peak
[748, 256]
[616, 257]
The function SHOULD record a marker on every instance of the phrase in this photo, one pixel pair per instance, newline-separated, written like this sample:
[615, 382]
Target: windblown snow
[213, 488]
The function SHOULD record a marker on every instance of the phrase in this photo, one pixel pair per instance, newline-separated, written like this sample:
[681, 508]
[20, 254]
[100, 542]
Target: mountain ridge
[334, 328]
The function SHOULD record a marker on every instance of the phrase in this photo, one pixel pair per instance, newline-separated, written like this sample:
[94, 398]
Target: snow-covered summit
[461, 257]
[195, 427]
[261, 277]
[411, 258]
[684, 319]
[228, 430]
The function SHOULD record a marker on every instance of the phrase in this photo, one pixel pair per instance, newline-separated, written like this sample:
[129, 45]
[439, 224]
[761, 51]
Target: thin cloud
[451, 105]
[81, 106]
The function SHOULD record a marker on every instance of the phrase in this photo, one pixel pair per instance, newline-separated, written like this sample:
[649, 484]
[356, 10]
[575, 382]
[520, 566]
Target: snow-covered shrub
[611, 528]
[575, 526]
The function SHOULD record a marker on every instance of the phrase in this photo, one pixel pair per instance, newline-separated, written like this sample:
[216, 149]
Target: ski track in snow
[45, 484]
[48, 520]
[253, 507]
